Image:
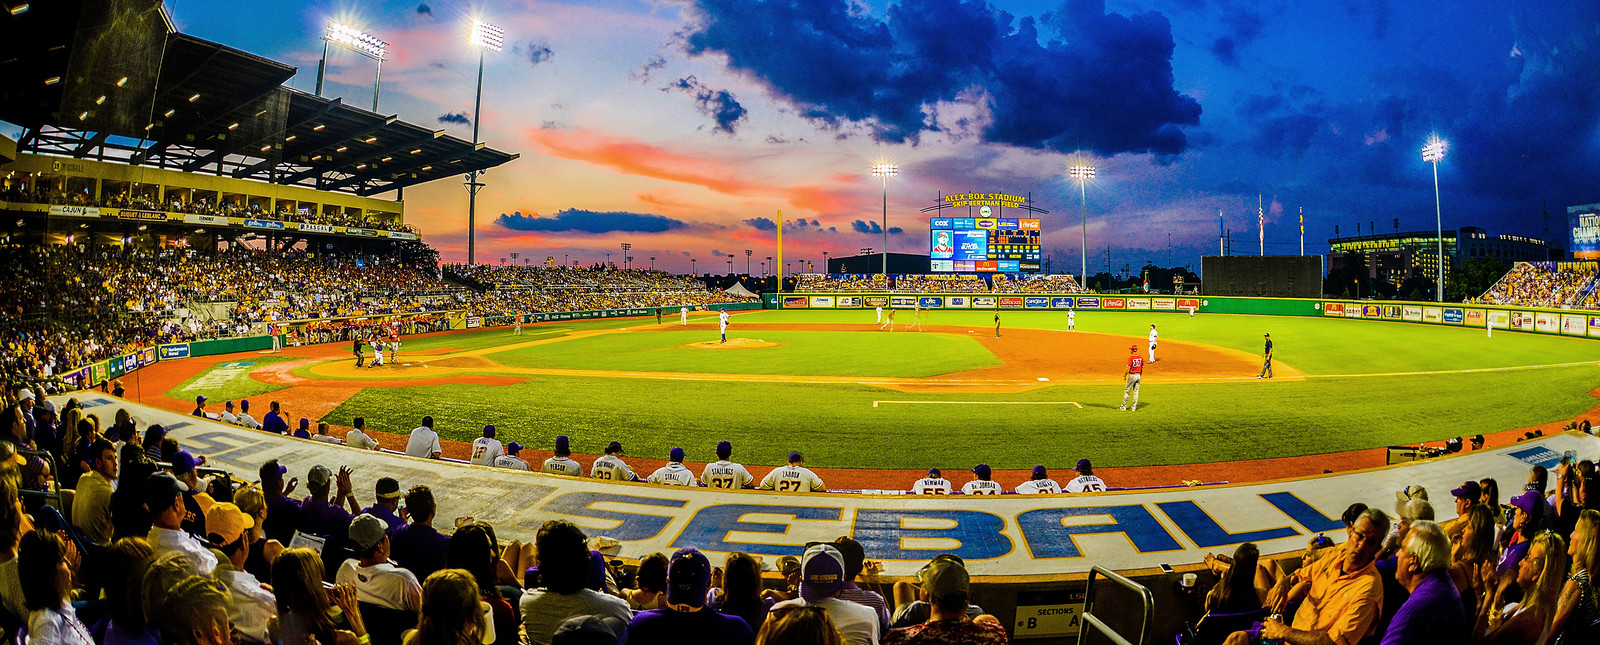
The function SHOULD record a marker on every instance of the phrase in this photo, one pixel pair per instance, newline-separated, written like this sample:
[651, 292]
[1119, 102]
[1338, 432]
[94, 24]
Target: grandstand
[1559, 285]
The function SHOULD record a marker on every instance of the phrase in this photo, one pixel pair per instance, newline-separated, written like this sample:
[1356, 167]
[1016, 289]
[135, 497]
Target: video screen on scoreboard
[983, 245]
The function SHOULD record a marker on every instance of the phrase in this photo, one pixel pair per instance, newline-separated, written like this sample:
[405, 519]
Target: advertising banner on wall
[797, 302]
[74, 211]
[845, 302]
[903, 301]
[1086, 302]
[1333, 309]
[1549, 323]
[958, 302]
[1371, 311]
[1432, 314]
[1454, 315]
[1594, 325]
[1574, 325]
[821, 302]
[1010, 302]
[1522, 320]
[263, 224]
[1037, 302]
[1113, 303]
[931, 302]
[1163, 304]
[1352, 310]
[1391, 312]
[1138, 303]
[1061, 303]
[1476, 318]
[1412, 313]
[874, 301]
[205, 219]
[316, 228]
[1498, 319]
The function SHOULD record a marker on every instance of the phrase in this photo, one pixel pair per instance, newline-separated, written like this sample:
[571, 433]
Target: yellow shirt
[1345, 606]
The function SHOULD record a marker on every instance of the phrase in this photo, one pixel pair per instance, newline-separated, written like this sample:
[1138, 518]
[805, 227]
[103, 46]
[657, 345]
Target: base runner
[1135, 369]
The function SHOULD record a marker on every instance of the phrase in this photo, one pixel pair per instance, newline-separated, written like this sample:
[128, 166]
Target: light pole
[824, 261]
[625, 248]
[884, 171]
[747, 253]
[485, 37]
[357, 41]
[652, 263]
[770, 264]
[1432, 153]
[1083, 173]
[692, 270]
[730, 265]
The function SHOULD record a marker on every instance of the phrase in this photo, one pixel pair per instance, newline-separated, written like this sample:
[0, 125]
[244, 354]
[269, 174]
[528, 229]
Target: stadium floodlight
[1083, 173]
[1432, 153]
[885, 171]
[485, 37]
[357, 41]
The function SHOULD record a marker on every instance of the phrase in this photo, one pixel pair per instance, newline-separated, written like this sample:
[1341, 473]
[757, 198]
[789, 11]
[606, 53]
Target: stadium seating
[1546, 284]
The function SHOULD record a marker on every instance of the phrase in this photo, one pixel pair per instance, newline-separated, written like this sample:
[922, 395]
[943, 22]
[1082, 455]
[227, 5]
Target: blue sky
[682, 127]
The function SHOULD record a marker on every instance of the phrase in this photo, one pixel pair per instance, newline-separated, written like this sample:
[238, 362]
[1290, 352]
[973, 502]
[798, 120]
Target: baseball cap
[821, 572]
[272, 471]
[305, 424]
[183, 463]
[1152, 325]
[934, 472]
[228, 404]
[1526, 501]
[588, 630]
[724, 449]
[981, 470]
[688, 578]
[244, 403]
[513, 448]
[1133, 348]
[319, 476]
[389, 488]
[200, 398]
[1468, 490]
[676, 454]
[160, 488]
[562, 445]
[28, 394]
[944, 575]
[1039, 472]
[615, 446]
[366, 531]
[794, 456]
[226, 521]
[1477, 439]
[488, 430]
[1083, 466]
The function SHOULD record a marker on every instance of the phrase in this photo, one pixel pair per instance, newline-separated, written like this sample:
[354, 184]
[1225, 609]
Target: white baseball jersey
[673, 474]
[227, 417]
[880, 314]
[981, 487]
[1086, 484]
[485, 449]
[510, 461]
[328, 438]
[360, 440]
[1152, 336]
[248, 421]
[683, 314]
[792, 479]
[611, 467]
[1039, 487]
[726, 475]
[562, 466]
[931, 486]
[724, 319]
[1072, 315]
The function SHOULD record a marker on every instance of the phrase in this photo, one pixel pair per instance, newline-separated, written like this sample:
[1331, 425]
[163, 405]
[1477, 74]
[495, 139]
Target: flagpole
[1261, 225]
[1302, 230]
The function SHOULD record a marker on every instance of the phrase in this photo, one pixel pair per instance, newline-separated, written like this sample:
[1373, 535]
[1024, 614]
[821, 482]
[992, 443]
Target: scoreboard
[983, 245]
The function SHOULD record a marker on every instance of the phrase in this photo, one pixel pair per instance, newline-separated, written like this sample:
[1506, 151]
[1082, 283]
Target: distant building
[1395, 257]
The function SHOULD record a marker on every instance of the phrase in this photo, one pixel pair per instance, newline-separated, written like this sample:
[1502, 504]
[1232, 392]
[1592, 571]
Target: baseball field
[852, 396]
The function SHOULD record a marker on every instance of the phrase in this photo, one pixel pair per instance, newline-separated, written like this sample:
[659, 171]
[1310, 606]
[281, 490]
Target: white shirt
[1152, 335]
[382, 584]
[724, 318]
[563, 466]
[981, 487]
[931, 486]
[57, 627]
[360, 440]
[248, 421]
[858, 623]
[726, 475]
[792, 479]
[675, 474]
[227, 417]
[1086, 484]
[196, 557]
[328, 438]
[510, 461]
[613, 468]
[252, 607]
[543, 611]
[1039, 487]
[485, 450]
[424, 442]
[1072, 314]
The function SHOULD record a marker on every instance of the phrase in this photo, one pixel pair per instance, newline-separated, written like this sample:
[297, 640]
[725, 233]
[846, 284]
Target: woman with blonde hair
[306, 610]
[799, 625]
[1579, 607]
[1540, 574]
[1472, 548]
[451, 612]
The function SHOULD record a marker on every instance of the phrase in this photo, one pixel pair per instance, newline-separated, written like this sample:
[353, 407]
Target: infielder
[888, 321]
[1086, 481]
[1152, 343]
[722, 322]
[794, 478]
[916, 317]
[933, 484]
[880, 314]
[683, 316]
[377, 352]
[1072, 320]
[725, 474]
[1135, 368]
[674, 473]
[1266, 359]
[982, 485]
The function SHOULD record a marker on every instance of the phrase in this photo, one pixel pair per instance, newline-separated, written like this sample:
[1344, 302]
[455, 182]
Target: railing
[1093, 621]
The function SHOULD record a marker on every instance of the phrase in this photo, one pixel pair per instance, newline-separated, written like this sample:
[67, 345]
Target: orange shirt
[1345, 606]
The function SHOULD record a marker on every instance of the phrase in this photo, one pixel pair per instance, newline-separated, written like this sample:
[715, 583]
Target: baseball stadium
[256, 394]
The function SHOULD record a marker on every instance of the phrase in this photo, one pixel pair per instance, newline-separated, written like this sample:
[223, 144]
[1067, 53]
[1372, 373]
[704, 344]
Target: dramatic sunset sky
[683, 126]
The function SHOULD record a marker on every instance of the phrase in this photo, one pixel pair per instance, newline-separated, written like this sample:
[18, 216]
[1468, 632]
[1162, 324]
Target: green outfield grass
[1363, 390]
[229, 380]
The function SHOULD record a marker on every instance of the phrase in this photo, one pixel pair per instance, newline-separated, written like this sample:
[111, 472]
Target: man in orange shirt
[1342, 594]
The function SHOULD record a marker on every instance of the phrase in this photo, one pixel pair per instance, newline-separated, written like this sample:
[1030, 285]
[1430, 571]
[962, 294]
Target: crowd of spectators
[520, 290]
[1036, 284]
[937, 283]
[57, 195]
[940, 283]
[847, 283]
[1556, 285]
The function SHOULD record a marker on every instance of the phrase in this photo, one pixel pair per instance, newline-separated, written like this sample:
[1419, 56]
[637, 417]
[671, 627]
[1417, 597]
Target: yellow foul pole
[779, 266]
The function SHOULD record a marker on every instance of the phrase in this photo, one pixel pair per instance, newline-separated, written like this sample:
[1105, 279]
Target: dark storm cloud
[720, 105]
[1244, 25]
[574, 220]
[864, 226]
[1108, 80]
[459, 118]
[761, 224]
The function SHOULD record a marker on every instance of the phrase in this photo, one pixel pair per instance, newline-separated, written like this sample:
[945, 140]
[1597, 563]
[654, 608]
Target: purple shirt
[1433, 614]
[274, 423]
[283, 519]
[321, 517]
[669, 627]
[420, 549]
[388, 517]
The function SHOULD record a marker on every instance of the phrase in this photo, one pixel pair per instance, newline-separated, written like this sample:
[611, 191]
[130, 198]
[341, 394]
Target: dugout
[1262, 276]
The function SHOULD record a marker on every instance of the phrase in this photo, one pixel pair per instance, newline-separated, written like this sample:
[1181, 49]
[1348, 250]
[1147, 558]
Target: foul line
[1477, 370]
[1072, 403]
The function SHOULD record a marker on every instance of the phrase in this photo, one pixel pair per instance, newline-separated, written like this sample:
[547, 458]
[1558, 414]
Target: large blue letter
[1048, 537]
[1303, 513]
[709, 528]
[1207, 533]
[882, 534]
[633, 525]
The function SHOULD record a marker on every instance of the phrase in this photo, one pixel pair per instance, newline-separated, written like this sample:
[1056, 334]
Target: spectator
[323, 436]
[91, 507]
[821, 580]
[563, 560]
[284, 516]
[652, 584]
[424, 442]
[486, 449]
[688, 581]
[1539, 575]
[474, 549]
[793, 478]
[945, 588]
[1432, 611]
[510, 459]
[376, 580]
[741, 592]
[196, 501]
[228, 415]
[263, 551]
[799, 625]
[855, 560]
[129, 517]
[304, 607]
[253, 606]
[357, 437]
[304, 431]
[610, 466]
[244, 416]
[196, 612]
[387, 504]
[1039, 484]
[154, 436]
[1236, 592]
[13, 525]
[319, 516]
[674, 473]
[451, 612]
[1473, 548]
[1578, 609]
[417, 546]
[561, 463]
[588, 630]
[273, 422]
[47, 565]
[125, 563]
[1527, 513]
[1342, 592]
[163, 495]
[1469, 494]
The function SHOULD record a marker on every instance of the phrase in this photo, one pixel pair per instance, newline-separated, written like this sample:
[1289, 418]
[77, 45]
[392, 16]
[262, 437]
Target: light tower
[1083, 173]
[884, 171]
[485, 37]
[625, 248]
[357, 41]
[1432, 153]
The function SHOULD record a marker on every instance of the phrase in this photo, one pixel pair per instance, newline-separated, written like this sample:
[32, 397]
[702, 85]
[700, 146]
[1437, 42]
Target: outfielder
[683, 316]
[1135, 369]
[1072, 320]
[1152, 343]
[723, 323]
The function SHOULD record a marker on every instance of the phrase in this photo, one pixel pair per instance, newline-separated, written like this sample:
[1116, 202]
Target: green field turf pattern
[229, 380]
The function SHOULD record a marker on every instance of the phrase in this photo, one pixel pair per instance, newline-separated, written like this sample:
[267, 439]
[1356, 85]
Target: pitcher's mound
[734, 343]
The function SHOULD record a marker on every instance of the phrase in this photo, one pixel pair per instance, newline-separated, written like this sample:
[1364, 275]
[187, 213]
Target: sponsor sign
[1011, 302]
[263, 224]
[1113, 303]
[1454, 315]
[1085, 302]
[1371, 311]
[1036, 302]
[1391, 312]
[1573, 325]
[821, 302]
[474, 321]
[931, 302]
[1352, 310]
[367, 232]
[401, 235]
[1475, 318]
[1432, 314]
[213, 220]
[847, 301]
[147, 356]
[316, 228]
[153, 216]
[1188, 303]
[74, 211]
[1411, 313]
[353, 231]
[983, 301]
[1544, 322]
[941, 266]
[1061, 303]
[958, 302]
[1594, 325]
[114, 366]
[177, 350]
[1163, 304]
[1522, 320]
[1138, 303]
[102, 371]
[795, 302]
[1048, 614]
[1498, 319]
[1333, 309]
[875, 301]
[903, 301]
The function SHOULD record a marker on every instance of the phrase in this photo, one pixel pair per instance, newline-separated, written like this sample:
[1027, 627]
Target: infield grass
[229, 380]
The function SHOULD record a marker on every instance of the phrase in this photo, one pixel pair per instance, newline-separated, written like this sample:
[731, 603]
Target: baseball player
[997, 323]
[933, 484]
[1040, 484]
[1072, 320]
[722, 324]
[562, 463]
[1152, 343]
[1086, 481]
[1266, 359]
[486, 449]
[674, 473]
[244, 415]
[277, 340]
[1135, 368]
[982, 485]
[683, 316]
[793, 478]
[916, 317]
[516, 323]
[394, 343]
[611, 467]
[510, 459]
[377, 352]
[725, 474]
[227, 415]
[880, 314]
[888, 321]
[1191, 311]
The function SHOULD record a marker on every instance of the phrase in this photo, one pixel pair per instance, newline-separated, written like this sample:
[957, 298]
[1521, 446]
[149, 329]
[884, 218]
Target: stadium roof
[112, 79]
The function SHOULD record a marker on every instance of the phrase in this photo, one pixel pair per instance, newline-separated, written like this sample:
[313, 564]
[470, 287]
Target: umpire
[1266, 359]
